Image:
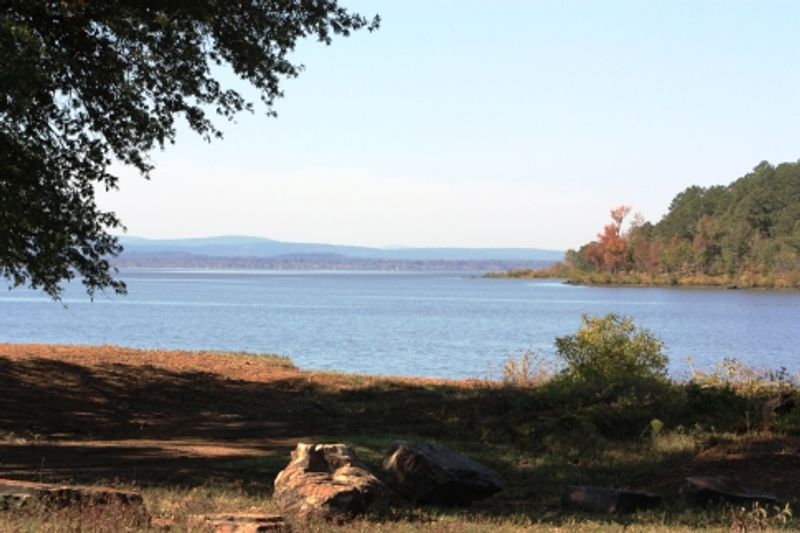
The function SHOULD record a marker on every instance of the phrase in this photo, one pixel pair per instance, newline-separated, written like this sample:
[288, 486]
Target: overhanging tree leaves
[84, 83]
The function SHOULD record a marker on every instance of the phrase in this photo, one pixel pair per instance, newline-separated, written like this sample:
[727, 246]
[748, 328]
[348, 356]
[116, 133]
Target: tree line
[745, 233]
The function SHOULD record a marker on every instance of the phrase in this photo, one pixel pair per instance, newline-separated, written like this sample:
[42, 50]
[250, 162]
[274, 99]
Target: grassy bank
[571, 275]
[204, 432]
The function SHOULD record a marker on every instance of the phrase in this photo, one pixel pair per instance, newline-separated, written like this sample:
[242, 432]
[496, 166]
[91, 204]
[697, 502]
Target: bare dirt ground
[769, 463]
[89, 414]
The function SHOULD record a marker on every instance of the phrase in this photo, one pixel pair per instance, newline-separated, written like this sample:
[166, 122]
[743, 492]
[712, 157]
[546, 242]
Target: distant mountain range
[257, 252]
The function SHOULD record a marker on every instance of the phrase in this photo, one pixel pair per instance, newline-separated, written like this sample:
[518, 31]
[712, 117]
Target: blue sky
[490, 124]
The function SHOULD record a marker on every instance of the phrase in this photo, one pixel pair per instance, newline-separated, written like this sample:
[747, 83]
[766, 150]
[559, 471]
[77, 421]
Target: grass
[204, 432]
[268, 359]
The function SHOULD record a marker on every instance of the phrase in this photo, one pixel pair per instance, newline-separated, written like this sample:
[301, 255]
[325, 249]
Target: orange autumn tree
[643, 249]
[613, 242]
[618, 249]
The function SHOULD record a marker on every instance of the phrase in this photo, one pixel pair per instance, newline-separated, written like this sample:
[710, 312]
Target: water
[424, 324]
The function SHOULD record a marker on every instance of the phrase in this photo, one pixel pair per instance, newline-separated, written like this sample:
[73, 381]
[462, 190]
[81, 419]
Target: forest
[745, 234]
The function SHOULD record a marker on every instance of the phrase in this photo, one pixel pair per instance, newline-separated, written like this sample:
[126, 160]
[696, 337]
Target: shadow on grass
[151, 427]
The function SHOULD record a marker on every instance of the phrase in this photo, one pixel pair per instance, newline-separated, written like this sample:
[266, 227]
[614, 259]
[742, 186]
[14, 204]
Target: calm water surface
[428, 324]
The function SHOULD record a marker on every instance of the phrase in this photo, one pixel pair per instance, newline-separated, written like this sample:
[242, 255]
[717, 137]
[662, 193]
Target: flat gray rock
[705, 490]
[425, 473]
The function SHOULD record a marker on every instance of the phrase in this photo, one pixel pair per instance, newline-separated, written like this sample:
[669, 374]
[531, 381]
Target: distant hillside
[254, 252]
[241, 246]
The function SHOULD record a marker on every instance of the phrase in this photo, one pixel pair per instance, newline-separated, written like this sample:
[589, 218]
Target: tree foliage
[84, 84]
[750, 228]
[612, 361]
[611, 346]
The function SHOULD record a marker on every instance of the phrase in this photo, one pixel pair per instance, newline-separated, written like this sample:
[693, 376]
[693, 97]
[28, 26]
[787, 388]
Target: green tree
[84, 84]
[706, 246]
[745, 230]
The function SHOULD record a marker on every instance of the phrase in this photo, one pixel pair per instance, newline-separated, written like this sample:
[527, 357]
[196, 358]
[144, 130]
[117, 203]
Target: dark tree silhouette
[84, 83]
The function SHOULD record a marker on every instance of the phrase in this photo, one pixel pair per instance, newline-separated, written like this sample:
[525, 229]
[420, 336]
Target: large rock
[324, 482]
[607, 500]
[425, 473]
[705, 490]
[123, 503]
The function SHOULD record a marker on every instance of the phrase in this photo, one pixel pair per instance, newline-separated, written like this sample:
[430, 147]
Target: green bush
[614, 379]
[611, 347]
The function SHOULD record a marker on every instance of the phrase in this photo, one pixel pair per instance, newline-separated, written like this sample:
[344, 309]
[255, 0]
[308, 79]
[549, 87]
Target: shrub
[611, 348]
[616, 376]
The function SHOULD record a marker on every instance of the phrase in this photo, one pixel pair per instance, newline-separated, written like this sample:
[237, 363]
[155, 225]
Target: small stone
[425, 473]
[236, 522]
[161, 523]
[608, 500]
[705, 490]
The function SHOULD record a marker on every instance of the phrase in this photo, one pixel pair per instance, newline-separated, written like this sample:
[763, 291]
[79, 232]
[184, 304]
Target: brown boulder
[425, 473]
[324, 482]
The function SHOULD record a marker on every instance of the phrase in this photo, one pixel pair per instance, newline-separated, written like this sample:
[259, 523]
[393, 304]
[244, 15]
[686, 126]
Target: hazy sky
[491, 124]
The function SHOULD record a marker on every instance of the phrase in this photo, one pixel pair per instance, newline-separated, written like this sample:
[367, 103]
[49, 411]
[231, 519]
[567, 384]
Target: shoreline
[617, 283]
[232, 364]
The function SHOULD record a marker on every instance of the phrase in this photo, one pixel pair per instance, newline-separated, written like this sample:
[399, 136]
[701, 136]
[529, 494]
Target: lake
[409, 323]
